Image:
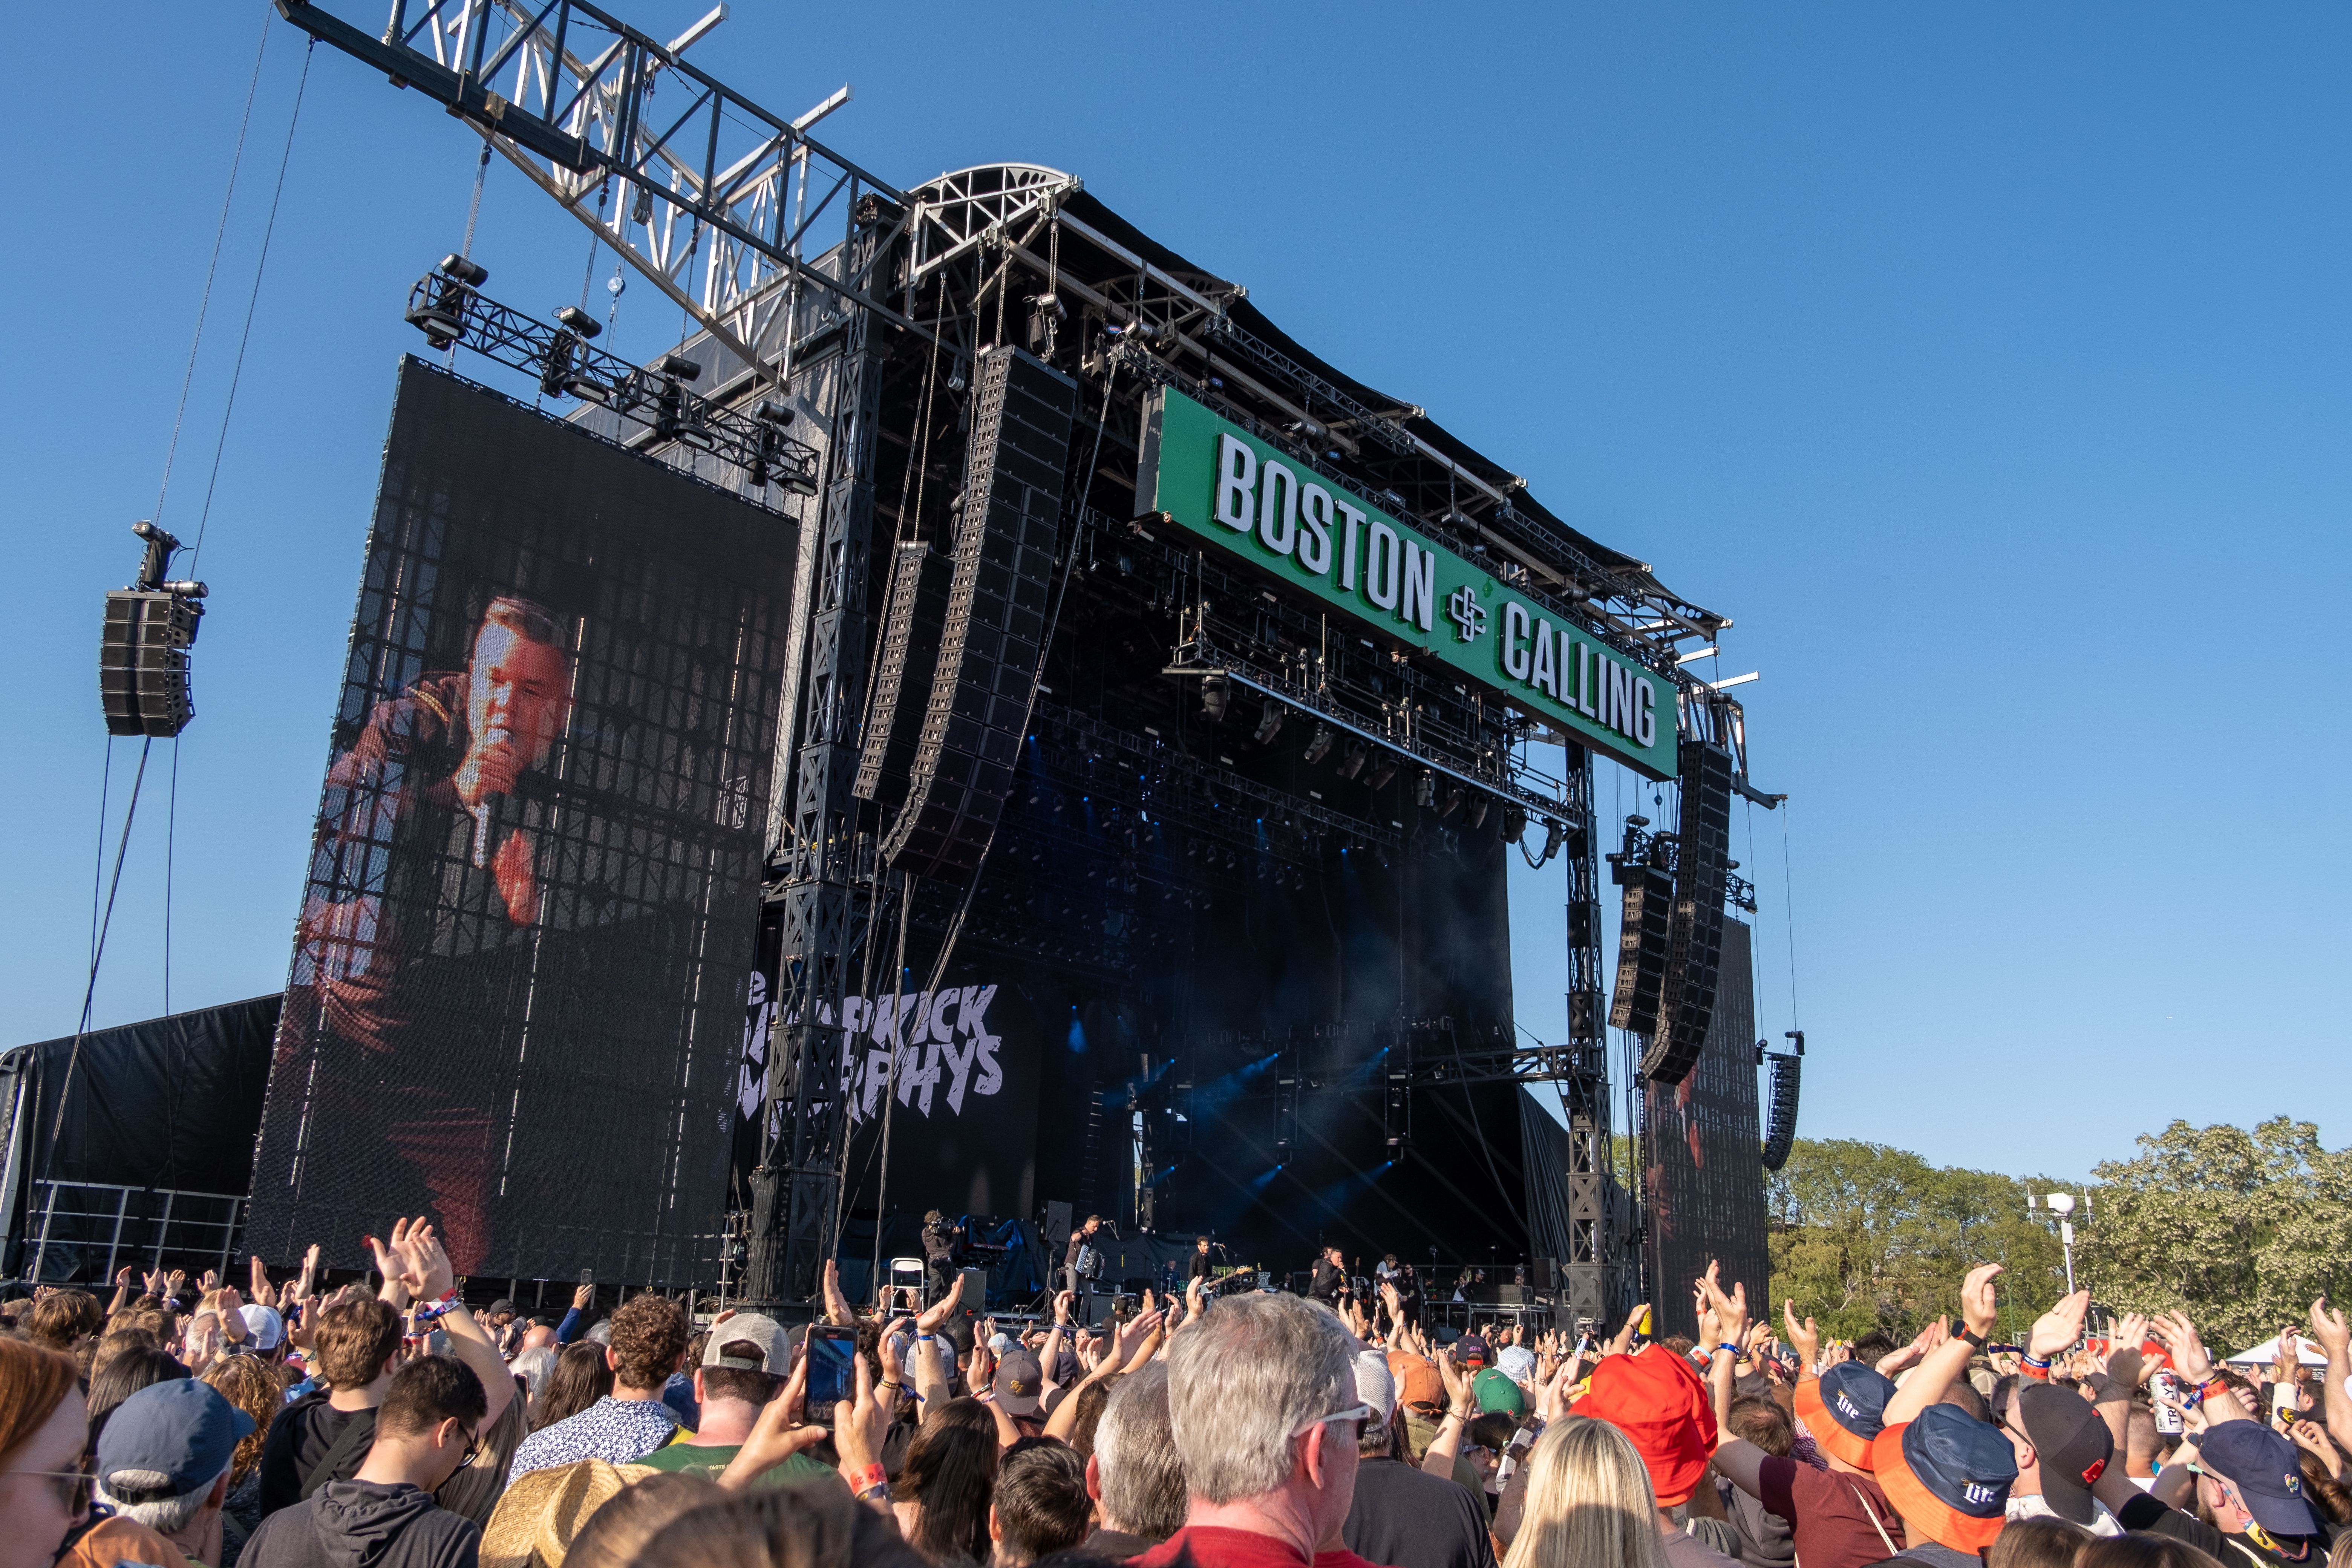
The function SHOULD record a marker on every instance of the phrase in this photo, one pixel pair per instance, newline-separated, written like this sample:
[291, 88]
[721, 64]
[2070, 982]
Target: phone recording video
[831, 1370]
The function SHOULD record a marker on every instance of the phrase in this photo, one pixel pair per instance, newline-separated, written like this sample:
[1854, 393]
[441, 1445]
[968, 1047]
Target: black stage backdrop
[517, 995]
[165, 1102]
[1702, 1157]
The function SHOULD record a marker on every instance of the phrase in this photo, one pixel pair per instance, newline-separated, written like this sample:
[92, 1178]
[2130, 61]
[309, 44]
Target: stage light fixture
[1555, 834]
[1216, 692]
[1320, 745]
[472, 274]
[676, 367]
[1515, 824]
[578, 322]
[1351, 762]
[1451, 802]
[1269, 723]
[1424, 790]
[1478, 811]
[774, 413]
[1382, 771]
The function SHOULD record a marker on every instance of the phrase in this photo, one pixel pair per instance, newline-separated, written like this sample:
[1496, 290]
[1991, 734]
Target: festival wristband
[2038, 1372]
[871, 1477]
[2210, 1387]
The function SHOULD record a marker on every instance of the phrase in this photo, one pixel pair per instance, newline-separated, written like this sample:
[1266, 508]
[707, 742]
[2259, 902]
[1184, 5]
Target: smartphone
[831, 1370]
[587, 1277]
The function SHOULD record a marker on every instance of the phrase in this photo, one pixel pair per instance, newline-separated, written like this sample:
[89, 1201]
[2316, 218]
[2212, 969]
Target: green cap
[1495, 1391]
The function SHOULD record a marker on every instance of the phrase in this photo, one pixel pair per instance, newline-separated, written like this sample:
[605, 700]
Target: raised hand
[1134, 1335]
[1730, 1310]
[2059, 1327]
[2179, 1337]
[928, 1320]
[1803, 1338]
[152, 1281]
[1456, 1380]
[1981, 1308]
[837, 1305]
[1062, 1307]
[122, 1278]
[426, 1264]
[261, 1290]
[2127, 1365]
[2329, 1328]
[777, 1435]
[582, 1296]
[2312, 1438]
[887, 1347]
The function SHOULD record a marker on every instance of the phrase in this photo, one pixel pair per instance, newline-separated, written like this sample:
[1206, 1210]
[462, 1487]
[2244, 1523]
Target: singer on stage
[425, 812]
[1330, 1278]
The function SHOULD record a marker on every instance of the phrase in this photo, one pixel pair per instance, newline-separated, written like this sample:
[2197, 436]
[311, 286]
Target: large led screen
[518, 987]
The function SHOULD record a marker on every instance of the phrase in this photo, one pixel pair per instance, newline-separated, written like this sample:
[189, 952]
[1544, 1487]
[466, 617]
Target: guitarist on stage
[1198, 1266]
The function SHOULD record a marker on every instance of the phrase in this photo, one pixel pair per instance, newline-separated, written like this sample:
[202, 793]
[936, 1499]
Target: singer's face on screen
[517, 697]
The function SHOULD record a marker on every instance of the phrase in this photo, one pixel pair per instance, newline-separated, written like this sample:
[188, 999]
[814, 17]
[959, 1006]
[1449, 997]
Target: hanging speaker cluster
[142, 648]
[1695, 948]
[998, 604]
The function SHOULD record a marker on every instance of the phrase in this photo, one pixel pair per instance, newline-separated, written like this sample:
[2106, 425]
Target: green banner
[1260, 504]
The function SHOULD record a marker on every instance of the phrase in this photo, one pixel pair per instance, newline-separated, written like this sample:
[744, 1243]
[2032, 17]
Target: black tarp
[166, 1102]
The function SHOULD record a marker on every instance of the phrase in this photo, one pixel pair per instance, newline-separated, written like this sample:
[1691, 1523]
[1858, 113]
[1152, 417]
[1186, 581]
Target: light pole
[2062, 1206]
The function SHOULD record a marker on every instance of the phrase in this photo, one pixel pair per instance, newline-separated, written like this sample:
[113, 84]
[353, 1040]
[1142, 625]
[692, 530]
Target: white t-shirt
[2034, 1506]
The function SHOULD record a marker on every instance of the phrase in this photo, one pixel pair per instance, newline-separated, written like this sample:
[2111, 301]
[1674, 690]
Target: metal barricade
[87, 1230]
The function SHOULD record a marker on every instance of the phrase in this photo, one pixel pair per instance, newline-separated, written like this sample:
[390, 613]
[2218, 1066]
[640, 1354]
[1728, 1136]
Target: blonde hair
[1590, 1503]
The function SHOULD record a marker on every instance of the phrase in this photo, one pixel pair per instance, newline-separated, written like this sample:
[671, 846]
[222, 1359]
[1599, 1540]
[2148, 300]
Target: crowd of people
[190, 1423]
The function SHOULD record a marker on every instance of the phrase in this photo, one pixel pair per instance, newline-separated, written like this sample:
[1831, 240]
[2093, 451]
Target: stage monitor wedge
[998, 604]
[1701, 857]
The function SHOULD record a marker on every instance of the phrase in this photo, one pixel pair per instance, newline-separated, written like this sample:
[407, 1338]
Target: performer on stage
[1198, 1266]
[942, 1250]
[1081, 1241]
[1330, 1281]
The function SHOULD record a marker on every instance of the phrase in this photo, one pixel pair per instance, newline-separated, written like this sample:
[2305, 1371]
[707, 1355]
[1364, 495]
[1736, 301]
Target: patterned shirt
[617, 1431]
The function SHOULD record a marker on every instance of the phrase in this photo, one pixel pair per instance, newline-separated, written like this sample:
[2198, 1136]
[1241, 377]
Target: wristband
[871, 1477]
[2038, 1372]
[2210, 1387]
[2027, 1358]
[438, 1309]
[924, 1338]
[1720, 1349]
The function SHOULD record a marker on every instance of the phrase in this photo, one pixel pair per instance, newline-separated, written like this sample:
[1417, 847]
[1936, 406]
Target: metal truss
[449, 311]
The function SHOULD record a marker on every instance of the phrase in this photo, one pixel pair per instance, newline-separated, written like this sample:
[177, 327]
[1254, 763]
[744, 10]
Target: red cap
[1655, 1399]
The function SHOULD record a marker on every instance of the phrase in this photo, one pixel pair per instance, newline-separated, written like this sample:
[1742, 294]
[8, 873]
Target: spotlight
[774, 413]
[1452, 803]
[1515, 824]
[1424, 790]
[1321, 744]
[578, 322]
[1555, 834]
[1353, 762]
[1269, 723]
[1216, 692]
[1478, 811]
[1382, 771]
[676, 367]
[472, 274]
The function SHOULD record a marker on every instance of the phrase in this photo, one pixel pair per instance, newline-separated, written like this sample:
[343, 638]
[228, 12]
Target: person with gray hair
[1264, 1415]
[1134, 1476]
[164, 1460]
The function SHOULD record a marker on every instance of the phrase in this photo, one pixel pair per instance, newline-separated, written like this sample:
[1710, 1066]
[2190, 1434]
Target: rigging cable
[97, 953]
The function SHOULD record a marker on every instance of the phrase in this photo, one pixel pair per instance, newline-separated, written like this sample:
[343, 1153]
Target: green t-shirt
[688, 1460]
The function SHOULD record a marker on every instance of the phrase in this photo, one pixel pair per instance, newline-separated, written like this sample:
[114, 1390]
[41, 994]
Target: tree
[2239, 1229]
[1866, 1236]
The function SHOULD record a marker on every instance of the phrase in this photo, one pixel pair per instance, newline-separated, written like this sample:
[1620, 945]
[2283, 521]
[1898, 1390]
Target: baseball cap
[2072, 1445]
[502, 1305]
[1416, 1379]
[1517, 1362]
[264, 1324]
[1375, 1384]
[775, 1346]
[1948, 1475]
[1019, 1382]
[1844, 1409]
[2260, 1463]
[1494, 1390]
[1471, 1351]
[1657, 1401]
[169, 1438]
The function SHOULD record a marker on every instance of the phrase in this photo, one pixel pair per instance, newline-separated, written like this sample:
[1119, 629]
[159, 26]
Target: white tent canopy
[2266, 1352]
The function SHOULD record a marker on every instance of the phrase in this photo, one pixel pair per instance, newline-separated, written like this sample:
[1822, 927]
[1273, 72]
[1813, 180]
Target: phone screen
[831, 1370]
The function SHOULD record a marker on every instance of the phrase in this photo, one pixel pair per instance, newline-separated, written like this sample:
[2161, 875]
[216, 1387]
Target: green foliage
[2241, 1229]
[1866, 1236]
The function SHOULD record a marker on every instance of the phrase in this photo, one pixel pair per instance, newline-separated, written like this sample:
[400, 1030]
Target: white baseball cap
[776, 1348]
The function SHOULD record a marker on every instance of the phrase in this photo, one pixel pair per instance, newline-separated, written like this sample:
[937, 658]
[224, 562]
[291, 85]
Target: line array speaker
[911, 627]
[997, 605]
[1781, 1124]
[1686, 1006]
[142, 662]
[1644, 933]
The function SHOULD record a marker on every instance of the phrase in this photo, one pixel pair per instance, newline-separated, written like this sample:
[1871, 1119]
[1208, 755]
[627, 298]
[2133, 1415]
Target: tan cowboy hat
[540, 1516]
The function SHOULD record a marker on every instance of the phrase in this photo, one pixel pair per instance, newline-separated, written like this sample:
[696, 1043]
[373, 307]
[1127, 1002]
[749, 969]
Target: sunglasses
[1360, 1415]
[72, 1488]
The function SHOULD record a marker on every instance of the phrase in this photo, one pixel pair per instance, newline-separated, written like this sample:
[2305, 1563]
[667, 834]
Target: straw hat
[541, 1515]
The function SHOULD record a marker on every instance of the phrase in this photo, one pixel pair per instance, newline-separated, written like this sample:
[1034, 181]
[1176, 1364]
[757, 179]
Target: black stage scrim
[518, 993]
[1703, 1156]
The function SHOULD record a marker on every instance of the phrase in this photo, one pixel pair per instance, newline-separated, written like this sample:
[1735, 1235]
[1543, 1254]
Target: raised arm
[2327, 1327]
[1738, 1460]
[2179, 1336]
[1938, 1368]
[430, 1278]
[1447, 1446]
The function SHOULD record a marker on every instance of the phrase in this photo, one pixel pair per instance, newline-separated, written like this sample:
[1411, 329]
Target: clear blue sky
[1987, 365]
